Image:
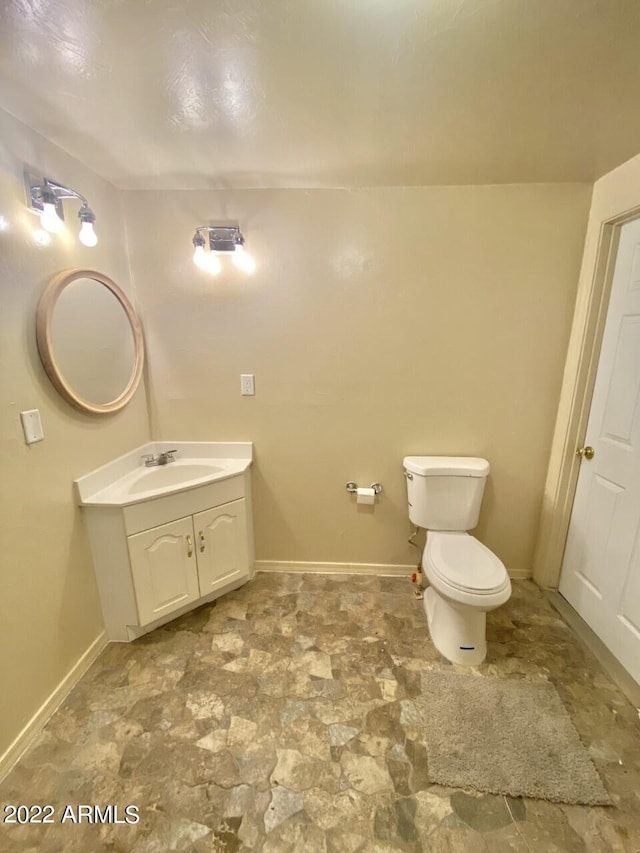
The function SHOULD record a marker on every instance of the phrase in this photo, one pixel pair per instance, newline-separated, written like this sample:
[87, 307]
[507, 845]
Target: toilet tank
[445, 492]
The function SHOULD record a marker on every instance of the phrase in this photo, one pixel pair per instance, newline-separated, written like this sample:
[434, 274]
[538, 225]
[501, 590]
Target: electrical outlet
[247, 385]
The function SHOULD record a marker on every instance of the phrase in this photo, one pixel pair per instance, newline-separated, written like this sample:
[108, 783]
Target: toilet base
[458, 631]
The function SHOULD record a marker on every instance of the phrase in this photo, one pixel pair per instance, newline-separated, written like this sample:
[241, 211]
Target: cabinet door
[221, 539]
[163, 565]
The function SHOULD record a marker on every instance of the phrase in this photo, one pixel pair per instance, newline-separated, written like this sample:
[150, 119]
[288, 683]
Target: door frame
[581, 365]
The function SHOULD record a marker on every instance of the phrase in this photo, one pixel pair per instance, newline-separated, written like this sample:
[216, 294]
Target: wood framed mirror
[90, 341]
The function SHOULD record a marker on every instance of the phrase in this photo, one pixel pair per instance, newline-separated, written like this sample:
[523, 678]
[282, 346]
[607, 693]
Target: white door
[163, 565]
[221, 537]
[601, 568]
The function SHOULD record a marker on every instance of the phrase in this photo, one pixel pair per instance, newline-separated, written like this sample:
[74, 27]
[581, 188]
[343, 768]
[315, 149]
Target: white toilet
[466, 579]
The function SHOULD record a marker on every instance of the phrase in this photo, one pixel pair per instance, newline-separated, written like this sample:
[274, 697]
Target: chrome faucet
[150, 459]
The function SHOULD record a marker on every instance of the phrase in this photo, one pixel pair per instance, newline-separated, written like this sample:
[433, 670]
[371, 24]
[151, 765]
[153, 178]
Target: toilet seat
[463, 564]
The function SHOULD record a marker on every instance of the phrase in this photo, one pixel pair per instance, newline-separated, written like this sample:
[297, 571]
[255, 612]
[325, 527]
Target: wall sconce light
[45, 197]
[223, 240]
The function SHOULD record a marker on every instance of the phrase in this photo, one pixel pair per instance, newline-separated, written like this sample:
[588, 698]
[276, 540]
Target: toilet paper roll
[365, 496]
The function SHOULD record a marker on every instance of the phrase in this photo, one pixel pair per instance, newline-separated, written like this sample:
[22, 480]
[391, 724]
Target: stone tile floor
[281, 718]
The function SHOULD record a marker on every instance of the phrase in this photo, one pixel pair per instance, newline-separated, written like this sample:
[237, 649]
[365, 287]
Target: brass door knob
[586, 452]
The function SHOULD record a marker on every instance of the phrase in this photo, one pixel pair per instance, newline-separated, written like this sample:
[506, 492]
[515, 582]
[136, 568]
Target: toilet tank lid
[446, 466]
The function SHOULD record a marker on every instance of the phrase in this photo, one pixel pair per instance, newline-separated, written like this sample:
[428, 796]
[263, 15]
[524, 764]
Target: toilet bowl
[466, 579]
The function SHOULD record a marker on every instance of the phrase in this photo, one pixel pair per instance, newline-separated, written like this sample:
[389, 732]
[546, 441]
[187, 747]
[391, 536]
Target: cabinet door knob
[201, 538]
[189, 547]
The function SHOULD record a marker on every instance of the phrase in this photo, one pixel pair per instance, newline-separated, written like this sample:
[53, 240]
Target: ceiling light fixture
[46, 196]
[223, 240]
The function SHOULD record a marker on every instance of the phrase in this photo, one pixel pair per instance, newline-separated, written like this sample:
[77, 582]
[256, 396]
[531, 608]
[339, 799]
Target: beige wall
[49, 610]
[380, 323]
[615, 196]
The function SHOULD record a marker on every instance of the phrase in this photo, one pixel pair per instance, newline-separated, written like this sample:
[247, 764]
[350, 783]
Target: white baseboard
[519, 574]
[50, 706]
[334, 568]
[384, 569]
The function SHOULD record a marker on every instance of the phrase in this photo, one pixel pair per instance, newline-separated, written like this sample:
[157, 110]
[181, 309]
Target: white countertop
[127, 480]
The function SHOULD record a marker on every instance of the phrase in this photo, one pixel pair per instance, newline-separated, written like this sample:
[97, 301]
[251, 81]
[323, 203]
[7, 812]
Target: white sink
[180, 472]
[127, 480]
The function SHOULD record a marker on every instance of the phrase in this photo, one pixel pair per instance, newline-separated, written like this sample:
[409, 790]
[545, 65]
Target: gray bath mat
[506, 737]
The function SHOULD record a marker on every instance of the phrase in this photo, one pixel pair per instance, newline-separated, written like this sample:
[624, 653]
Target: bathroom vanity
[167, 538]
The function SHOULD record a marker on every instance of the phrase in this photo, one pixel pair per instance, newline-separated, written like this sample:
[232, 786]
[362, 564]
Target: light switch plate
[247, 384]
[31, 426]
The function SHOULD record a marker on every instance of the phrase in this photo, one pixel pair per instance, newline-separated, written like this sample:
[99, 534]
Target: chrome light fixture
[46, 196]
[223, 240]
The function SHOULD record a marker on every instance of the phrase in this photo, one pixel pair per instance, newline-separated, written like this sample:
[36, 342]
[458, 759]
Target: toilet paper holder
[352, 488]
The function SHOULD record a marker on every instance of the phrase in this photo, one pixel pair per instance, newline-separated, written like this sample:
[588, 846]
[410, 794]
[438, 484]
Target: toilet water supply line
[417, 578]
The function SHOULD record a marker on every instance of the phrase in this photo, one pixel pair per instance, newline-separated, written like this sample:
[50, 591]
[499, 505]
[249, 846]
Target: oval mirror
[90, 341]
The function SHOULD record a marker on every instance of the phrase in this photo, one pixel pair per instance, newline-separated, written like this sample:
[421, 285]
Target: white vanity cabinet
[222, 547]
[163, 568]
[182, 561]
[158, 557]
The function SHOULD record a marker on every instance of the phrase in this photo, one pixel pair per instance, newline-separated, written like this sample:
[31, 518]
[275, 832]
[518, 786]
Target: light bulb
[87, 235]
[200, 257]
[243, 260]
[41, 237]
[213, 263]
[49, 218]
[206, 261]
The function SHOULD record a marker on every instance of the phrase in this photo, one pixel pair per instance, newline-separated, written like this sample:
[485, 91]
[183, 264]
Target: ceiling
[325, 93]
